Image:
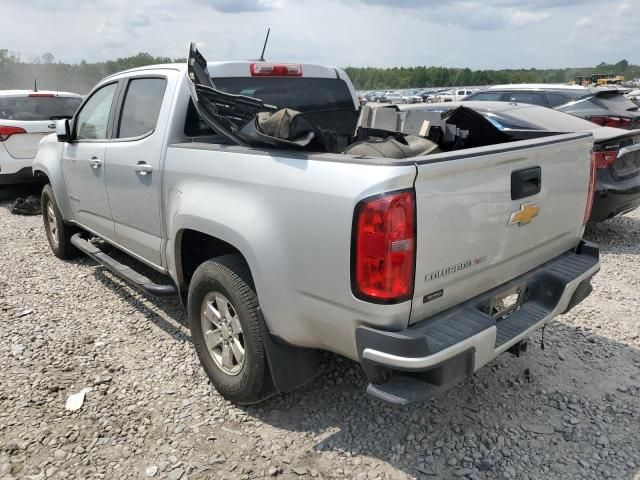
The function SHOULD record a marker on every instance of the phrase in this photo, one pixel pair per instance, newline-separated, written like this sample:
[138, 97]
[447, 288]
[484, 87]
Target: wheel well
[41, 175]
[195, 249]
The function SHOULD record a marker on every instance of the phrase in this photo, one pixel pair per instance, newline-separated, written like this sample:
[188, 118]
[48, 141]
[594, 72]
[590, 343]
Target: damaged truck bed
[378, 132]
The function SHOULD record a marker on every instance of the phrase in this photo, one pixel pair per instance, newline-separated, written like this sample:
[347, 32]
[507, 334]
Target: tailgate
[471, 235]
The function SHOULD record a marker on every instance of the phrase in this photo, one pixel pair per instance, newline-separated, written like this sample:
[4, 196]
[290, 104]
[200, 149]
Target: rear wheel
[223, 317]
[58, 233]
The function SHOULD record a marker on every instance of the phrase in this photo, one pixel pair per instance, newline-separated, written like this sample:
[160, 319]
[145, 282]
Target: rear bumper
[432, 355]
[24, 175]
[614, 201]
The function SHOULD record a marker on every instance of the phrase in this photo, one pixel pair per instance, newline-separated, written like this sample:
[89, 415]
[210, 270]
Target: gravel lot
[569, 411]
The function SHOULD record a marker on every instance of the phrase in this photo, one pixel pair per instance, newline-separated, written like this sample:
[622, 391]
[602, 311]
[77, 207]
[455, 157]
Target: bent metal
[453, 268]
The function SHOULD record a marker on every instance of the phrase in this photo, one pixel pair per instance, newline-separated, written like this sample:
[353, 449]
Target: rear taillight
[6, 132]
[592, 188]
[612, 121]
[604, 158]
[276, 70]
[383, 260]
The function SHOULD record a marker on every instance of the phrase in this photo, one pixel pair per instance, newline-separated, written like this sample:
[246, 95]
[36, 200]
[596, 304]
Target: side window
[141, 107]
[93, 119]
[533, 98]
[487, 96]
[556, 99]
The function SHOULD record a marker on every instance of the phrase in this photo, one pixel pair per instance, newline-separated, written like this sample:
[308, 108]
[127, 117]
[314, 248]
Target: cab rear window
[301, 94]
[38, 107]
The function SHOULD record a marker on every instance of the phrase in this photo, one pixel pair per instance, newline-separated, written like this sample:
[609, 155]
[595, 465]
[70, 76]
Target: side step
[126, 273]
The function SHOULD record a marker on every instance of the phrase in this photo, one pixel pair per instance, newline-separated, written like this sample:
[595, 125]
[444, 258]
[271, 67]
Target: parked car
[413, 98]
[25, 117]
[283, 235]
[616, 151]
[393, 97]
[604, 106]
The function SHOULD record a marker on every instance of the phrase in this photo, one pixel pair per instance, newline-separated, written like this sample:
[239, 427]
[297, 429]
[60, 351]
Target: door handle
[95, 162]
[143, 168]
[526, 182]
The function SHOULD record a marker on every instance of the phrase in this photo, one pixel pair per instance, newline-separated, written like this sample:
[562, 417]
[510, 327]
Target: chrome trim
[628, 149]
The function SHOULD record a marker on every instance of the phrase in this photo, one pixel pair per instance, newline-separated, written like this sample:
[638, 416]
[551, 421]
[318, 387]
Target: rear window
[542, 119]
[302, 94]
[38, 108]
[616, 101]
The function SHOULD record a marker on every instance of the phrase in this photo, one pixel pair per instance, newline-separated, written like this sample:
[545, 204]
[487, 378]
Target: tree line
[418, 77]
[19, 73]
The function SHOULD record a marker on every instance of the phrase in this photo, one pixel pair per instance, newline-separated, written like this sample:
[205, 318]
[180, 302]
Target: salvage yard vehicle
[616, 151]
[287, 225]
[26, 116]
[604, 106]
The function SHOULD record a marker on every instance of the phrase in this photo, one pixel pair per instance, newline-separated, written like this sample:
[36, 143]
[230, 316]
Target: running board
[124, 272]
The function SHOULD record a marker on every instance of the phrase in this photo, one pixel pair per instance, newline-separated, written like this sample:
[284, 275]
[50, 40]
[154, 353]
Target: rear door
[481, 220]
[83, 162]
[35, 114]
[134, 164]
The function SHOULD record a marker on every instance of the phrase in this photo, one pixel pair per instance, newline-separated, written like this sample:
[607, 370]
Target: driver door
[83, 162]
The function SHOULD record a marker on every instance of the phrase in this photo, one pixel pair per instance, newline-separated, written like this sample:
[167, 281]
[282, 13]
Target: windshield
[301, 94]
[37, 108]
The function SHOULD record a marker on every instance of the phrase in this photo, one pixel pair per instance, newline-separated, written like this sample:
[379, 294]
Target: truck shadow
[618, 235]
[542, 414]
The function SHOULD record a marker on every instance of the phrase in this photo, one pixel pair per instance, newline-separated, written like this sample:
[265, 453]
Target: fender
[48, 162]
[290, 366]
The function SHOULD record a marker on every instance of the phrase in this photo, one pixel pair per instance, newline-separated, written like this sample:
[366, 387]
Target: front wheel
[223, 317]
[58, 233]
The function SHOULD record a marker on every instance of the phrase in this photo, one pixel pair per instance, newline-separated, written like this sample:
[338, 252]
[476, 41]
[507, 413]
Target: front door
[83, 161]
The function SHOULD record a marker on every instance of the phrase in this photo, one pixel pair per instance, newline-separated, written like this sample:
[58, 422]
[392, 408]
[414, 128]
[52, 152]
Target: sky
[489, 34]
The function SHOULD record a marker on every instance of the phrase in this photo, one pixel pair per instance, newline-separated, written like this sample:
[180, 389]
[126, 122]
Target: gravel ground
[569, 411]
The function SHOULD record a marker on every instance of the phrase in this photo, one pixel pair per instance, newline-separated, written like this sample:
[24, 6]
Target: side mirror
[63, 131]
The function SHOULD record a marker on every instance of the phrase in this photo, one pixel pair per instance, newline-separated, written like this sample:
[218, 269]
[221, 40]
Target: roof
[239, 69]
[475, 105]
[17, 93]
[538, 86]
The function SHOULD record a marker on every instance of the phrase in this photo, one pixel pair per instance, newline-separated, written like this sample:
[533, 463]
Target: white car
[452, 95]
[25, 117]
[393, 97]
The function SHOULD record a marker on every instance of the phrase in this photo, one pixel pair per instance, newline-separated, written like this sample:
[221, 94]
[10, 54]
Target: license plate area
[505, 303]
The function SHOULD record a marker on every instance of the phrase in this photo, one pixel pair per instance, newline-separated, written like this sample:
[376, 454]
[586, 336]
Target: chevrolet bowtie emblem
[524, 215]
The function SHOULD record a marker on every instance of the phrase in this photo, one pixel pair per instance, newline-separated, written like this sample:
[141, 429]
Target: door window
[533, 98]
[141, 107]
[556, 99]
[93, 119]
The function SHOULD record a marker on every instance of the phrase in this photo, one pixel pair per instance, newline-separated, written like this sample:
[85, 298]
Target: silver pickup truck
[321, 231]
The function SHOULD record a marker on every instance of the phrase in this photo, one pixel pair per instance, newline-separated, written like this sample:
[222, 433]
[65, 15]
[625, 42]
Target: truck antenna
[35, 84]
[264, 47]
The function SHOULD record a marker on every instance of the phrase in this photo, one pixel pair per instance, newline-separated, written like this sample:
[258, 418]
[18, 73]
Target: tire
[58, 233]
[222, 288]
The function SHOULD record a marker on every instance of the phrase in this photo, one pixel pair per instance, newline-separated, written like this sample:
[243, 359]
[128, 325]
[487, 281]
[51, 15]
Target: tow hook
[518, 349]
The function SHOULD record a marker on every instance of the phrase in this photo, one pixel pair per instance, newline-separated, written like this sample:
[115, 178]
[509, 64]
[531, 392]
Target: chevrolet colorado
[288, 224]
